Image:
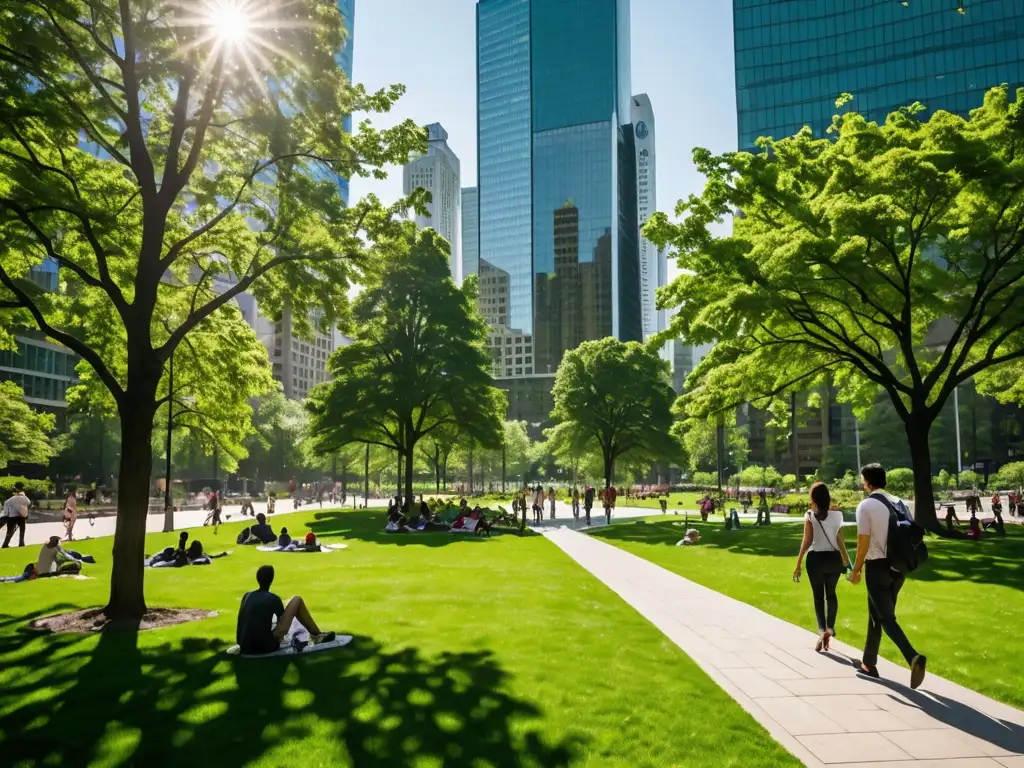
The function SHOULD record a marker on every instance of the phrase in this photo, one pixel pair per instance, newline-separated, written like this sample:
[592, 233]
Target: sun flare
[230, 21]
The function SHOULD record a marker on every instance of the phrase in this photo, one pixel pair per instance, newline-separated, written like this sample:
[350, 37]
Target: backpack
[905, 547]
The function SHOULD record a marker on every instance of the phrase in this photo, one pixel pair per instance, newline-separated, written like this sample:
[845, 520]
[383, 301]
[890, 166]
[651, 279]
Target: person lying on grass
[257, 633]
[54, 560]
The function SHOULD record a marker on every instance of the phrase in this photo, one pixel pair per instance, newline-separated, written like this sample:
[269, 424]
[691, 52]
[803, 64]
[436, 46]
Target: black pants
[883, 585]
[823, 587]
[12, 523]
[587, 509]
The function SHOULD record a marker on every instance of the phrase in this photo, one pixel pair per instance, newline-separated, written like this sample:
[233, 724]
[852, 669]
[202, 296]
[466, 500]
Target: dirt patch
[93, 620]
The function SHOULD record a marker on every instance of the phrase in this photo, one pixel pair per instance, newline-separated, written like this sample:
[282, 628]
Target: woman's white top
[825, 530]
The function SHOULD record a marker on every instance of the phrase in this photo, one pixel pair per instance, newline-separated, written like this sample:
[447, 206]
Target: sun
[230, 21]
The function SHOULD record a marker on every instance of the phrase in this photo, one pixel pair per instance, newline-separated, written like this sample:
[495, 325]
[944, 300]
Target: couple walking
[827, 559]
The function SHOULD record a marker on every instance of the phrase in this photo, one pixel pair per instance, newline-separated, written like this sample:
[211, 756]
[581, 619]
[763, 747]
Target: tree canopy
[167, 165]
[615, 398]
[886, 259]
[417, 362]
[24, 432]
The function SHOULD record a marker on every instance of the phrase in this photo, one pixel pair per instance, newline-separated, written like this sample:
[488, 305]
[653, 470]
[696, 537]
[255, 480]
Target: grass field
[964, 608]
[468, 652]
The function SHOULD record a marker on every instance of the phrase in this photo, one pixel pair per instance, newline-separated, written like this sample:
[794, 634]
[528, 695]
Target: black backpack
[905, 547]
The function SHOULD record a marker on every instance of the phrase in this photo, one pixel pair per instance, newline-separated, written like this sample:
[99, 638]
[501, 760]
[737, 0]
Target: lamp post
[168, 498]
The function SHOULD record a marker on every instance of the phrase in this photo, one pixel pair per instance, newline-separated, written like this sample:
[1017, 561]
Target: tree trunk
[437, 469]
[609, 470]
[366, 477]
[127, 600]
[470, 470]
[410, 450]
[917, 430]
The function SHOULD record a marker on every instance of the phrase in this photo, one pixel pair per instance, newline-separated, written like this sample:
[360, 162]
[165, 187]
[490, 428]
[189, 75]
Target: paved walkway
[814, 705]
[39, 532]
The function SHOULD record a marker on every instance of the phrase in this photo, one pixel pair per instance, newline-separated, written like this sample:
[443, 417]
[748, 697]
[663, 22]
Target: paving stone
[754, 684]
[971, 762]
[844, 747]
[944, 743]
[798, 717]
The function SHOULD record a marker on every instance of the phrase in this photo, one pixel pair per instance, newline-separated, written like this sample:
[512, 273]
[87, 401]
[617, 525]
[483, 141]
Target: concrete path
[39, 532]
[813, 704]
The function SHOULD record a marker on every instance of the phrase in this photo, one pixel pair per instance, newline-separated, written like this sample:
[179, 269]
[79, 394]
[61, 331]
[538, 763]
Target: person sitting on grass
[256, 632]
[262, 531]
[284, 539]
[50, 562]
[974, 529]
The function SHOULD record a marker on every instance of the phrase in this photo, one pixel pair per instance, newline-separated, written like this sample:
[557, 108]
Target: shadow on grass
[369, 526]
[992, 560]
[117, 702]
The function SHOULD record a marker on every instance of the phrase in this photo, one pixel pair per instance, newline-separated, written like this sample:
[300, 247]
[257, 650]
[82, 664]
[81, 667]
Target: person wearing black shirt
[256, 633]
[588, 501]
[262, 531]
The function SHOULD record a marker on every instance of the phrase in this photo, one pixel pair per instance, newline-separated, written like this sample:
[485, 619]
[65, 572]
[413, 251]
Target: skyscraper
[653, 262]
[470, 232]
[348, 17]
[793, 59]
[557, 170]
[437, 172]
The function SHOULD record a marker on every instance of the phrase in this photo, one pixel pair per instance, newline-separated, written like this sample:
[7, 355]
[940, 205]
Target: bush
[848, 482]
[899, 481]
[34, 489]
[705, 479]
[969, 480]
[788, 481]
[1011, 476]
[942, 482]
[760, 477]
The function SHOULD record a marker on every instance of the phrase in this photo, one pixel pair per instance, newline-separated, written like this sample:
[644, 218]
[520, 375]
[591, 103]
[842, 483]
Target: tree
[517, 447]
[417, 363]
[437, 450]
[616, 397]
[886, 260]
[160, 158]
[700, 441]
[24, 432]
[1012, 476]
[276, 448]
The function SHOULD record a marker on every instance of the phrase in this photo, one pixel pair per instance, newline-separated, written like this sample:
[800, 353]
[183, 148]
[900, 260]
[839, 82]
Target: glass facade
[348, 16]
[504, 148]
[557, 174]
[794, 58]
[44, 371]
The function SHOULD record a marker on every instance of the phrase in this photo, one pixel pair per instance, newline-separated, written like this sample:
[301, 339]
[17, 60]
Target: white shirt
[873, 521]
[825, 531]
[47, 562]
[16, 506]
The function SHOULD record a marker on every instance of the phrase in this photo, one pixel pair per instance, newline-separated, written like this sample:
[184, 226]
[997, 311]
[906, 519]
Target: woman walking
[576, 503]
[70, 514]
[827, 559]
[551, 501]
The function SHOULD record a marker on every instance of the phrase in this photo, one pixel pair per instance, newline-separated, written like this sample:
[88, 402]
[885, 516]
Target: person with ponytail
[827, 559]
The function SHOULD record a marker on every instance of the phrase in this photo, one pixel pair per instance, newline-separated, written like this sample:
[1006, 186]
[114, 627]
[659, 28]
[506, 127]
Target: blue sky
[681, 56]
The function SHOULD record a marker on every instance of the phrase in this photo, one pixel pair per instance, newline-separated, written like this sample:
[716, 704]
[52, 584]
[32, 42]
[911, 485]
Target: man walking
[15, 515]
[883, 583]
[588, 501]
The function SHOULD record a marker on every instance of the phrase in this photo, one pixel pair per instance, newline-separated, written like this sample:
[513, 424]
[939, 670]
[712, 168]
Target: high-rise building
[557, 172]
[470, 232]
[794, 59]
[348, 18]
[437, 171]
[653, 261]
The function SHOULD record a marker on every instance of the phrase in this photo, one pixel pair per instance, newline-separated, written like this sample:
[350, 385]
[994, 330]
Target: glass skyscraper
[348, 17]
[557, 171]
[794, 58]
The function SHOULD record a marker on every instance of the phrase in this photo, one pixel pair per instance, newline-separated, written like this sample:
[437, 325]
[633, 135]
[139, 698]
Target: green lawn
[468, 652]
[964, 608]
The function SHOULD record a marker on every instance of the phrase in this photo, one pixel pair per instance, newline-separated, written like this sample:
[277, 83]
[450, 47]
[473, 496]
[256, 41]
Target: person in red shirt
[610, 495]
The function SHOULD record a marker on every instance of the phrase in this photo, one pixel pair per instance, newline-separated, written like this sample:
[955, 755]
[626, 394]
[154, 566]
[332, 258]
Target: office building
[794, 59]
[653, 261]
[348, 18]
[470, 247]
[437, 171]
[557, 176]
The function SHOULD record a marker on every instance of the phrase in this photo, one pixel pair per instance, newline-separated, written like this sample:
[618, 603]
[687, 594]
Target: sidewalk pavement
[813, 704]
[38, 533]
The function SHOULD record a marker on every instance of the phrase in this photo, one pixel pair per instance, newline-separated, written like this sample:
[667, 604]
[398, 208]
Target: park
[283, 481]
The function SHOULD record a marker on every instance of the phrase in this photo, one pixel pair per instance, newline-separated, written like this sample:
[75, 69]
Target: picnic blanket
[323, 548]
[469, 526]
[286, 648]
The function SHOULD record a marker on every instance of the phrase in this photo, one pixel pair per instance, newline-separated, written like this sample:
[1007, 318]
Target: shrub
[705, 479]
[899, 481]
[1011, 476]
[760, 477]
[34, 489]
[969, 480]
[788, 481]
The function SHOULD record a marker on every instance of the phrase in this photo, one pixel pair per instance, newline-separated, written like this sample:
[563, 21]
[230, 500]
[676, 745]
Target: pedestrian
[827, 560]
[876, 516]
[70, 513]
[609, 503]
[551, 501]
[575, 503]
[538, 504]
[1011, 500]
[15, 515]
[588, 501]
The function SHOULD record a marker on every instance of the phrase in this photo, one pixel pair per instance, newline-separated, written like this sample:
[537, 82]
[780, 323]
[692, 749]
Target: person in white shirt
[883, 583]
[827, 558]
[15, 515]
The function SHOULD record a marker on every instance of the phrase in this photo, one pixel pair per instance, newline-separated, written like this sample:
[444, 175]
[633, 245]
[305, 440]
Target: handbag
[831, 562]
